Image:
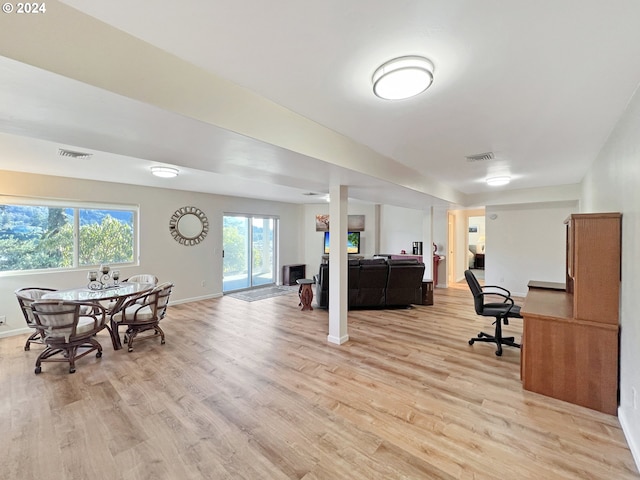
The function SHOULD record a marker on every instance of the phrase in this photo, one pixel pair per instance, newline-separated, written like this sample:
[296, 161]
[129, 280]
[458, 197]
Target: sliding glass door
[249, 252]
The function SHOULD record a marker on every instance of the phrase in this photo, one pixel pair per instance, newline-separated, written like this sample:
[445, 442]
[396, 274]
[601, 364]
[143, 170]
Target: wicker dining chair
[143, 313]
[26, 296]
[68, 328]
[143, 278]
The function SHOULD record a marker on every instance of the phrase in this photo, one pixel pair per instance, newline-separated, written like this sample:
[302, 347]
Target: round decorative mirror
[188, 226]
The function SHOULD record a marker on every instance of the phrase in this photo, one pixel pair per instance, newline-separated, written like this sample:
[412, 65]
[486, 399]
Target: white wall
[186, 267]
[613, 185]
[526, 242]
[313, 247]
[399, 228]
[388, 229]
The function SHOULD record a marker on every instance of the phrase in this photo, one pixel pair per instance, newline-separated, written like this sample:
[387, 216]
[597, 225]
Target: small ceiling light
[498, 181]
[402, 77]
[165, 172]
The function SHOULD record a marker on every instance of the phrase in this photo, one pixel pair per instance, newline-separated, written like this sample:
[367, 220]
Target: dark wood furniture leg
[306, 296]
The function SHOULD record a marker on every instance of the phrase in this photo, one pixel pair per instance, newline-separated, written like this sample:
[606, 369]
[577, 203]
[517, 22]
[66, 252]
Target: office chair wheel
[471, 342]
[98, 355]
[498, 353]
[38, 370]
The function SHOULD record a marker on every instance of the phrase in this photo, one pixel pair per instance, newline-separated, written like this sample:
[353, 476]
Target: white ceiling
[540, 84]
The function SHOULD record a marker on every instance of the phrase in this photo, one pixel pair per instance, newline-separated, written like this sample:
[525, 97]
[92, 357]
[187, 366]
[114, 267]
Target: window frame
[76, 206]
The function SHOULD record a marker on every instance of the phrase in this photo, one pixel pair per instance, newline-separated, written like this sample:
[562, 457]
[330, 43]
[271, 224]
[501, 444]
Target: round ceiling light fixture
[165, 172]
[403, 77]
[498, 181]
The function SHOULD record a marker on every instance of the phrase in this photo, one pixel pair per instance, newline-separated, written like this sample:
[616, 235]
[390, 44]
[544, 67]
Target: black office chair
[501, 311]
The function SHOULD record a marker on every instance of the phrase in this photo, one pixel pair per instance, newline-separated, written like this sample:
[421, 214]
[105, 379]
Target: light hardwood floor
[254, 391]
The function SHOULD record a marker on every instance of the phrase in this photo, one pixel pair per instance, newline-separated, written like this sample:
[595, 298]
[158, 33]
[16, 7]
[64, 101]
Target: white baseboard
[338, 340]
[16, 331]
[627, 429]
[194, 299]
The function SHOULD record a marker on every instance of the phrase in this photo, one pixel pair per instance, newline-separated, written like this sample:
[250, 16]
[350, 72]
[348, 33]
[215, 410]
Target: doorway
[249, 258]
[465, 234]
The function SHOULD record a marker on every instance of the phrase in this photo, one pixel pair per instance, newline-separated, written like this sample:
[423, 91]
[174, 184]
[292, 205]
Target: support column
[338, 265]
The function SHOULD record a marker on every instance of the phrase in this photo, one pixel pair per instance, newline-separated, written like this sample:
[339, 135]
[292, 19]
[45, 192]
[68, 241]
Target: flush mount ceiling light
[402, 77]
[498, 181]
[165, 172]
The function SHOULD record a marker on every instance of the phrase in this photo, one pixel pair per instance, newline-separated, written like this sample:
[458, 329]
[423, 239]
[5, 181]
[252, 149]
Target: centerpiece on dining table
[104, 278]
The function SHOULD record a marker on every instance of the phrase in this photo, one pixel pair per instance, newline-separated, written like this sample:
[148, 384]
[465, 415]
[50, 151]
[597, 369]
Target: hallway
[463, 283]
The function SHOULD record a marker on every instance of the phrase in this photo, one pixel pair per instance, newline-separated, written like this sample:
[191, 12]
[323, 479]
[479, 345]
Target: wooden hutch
[570, 335]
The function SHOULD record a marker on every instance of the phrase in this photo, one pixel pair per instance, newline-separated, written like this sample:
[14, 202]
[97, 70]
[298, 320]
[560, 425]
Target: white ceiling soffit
[531, 82]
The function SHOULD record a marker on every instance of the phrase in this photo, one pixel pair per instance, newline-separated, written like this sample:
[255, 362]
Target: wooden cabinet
[291, 273]
[594, 242]
[570, 338]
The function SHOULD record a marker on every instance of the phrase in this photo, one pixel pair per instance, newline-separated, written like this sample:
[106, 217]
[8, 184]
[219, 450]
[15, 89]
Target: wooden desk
[570, 337]
[547, 285]
[567, 358]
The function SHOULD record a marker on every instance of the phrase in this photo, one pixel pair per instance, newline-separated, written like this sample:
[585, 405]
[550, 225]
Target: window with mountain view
[39, 237]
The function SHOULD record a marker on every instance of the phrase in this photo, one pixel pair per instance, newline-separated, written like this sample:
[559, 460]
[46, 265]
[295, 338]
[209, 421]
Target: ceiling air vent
[70, 153]
[481, 157]
[311, 194]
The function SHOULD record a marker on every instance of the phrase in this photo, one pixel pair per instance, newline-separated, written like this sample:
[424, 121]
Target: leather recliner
[403, 277]
[376, 283]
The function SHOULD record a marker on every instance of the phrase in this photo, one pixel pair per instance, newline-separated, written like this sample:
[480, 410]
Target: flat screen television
[353, 242]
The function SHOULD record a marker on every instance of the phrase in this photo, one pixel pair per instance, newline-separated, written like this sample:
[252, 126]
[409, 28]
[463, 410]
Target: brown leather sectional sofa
[376, 283]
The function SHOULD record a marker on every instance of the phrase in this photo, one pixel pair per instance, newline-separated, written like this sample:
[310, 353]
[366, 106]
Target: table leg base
[306, 297]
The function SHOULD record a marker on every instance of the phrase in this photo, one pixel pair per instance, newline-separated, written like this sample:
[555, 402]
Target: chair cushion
[493, 309]
[134, 313]
[85, 324]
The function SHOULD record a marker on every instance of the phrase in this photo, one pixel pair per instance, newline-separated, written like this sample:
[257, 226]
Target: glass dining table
[116, 296]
